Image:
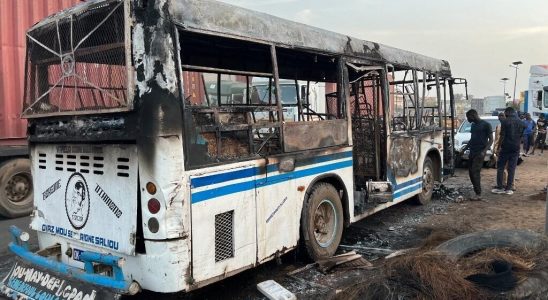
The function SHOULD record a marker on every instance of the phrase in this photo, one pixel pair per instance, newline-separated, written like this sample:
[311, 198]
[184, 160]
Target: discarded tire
[503, 238]
[534, 287]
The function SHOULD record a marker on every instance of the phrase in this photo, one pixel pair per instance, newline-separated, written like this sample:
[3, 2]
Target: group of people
[509, 136]
[534, 129]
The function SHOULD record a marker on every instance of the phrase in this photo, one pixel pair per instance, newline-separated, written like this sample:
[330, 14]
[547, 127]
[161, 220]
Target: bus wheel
[15, 188]
[427, 183]
[322, 222]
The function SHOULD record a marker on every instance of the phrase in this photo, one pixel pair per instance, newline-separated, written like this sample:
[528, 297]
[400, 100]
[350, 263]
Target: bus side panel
[280, 200]
[223, 220]
[406, 161]
[277, 224]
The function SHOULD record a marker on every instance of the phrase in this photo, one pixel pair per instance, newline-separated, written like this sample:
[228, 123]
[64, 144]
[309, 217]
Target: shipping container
[16, 16]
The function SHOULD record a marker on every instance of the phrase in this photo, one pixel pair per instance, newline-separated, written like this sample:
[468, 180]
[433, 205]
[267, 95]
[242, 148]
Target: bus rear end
[108, 208]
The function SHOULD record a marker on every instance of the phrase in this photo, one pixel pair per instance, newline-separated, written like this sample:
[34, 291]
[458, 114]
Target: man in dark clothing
[480, 142]
[511, 131]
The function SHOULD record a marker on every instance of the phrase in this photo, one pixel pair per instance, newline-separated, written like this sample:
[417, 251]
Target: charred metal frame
[128, 94]
[428, 81]
[344, 49]
[297, 130]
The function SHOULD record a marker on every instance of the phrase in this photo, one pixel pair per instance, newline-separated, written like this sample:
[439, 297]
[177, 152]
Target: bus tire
[428, 179]
[16, 192]
[322, 221]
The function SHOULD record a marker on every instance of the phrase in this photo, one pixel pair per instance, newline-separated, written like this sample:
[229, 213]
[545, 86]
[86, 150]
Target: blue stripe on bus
[217, 178]
[407, 190]
[249, 185]
[249, 172]
[407, 183]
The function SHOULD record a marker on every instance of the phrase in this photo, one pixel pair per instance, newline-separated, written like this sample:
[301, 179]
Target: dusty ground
[524, 209]
[404, 226]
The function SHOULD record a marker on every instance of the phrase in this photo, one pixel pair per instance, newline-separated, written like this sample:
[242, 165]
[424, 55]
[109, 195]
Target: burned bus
[160, 164]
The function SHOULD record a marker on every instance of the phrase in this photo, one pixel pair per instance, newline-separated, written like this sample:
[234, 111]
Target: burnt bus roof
[74, 10]
[215, 17]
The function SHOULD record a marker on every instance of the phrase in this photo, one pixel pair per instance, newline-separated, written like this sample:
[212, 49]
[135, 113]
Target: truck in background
[536, 96]
[16, 188]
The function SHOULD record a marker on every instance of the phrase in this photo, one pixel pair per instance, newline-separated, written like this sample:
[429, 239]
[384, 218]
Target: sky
[479, 38]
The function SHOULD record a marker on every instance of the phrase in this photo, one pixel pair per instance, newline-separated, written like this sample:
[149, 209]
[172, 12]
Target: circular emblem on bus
[77, 201]
[67, 64]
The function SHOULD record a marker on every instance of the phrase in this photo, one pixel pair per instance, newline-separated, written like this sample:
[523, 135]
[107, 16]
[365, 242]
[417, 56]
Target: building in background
[488, 105]
[477, 104]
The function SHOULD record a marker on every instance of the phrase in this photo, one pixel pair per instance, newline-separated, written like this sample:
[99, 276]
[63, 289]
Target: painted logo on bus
[77, 204]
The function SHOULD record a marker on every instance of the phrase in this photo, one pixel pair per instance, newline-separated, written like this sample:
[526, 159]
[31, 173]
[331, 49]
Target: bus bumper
[34, 276]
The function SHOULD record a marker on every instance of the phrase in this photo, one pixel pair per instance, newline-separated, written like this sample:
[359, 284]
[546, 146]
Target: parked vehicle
[144, 182]
[463, 137]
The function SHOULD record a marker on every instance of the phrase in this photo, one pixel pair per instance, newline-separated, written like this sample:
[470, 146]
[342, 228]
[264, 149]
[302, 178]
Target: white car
[463, 137]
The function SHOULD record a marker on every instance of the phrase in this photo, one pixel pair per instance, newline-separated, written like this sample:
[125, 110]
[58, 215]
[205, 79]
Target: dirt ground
[524, 209]
[404, 226]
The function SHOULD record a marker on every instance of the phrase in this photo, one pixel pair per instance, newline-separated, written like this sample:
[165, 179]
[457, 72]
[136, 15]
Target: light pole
[504, 80]
[515, 65]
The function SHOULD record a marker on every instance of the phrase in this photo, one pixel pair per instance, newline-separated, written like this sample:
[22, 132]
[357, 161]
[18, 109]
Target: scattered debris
[483, 272]
[369, 249]
[399, 252]
[346, 260]
[296, 271]
[442, 191]
[415, 276]
[274, 291]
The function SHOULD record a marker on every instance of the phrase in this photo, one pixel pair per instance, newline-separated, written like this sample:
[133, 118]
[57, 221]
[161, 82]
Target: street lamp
[504, 80]
[515, 65]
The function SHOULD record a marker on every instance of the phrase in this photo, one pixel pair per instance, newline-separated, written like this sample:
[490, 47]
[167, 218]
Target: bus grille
[224, 236]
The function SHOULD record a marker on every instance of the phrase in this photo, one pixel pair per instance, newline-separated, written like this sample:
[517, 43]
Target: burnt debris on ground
[426, 272]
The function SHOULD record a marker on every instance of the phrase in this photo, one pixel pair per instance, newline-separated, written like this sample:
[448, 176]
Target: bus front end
[107, 160]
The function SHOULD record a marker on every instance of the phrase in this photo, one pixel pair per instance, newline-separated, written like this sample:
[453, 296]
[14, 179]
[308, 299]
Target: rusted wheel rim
[18, 188]
[325, 223]
[427, 180]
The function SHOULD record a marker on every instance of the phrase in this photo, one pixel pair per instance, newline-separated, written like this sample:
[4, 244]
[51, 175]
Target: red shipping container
[16, 16]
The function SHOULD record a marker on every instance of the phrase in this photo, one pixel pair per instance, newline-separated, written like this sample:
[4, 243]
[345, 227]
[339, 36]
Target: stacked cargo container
[16, 16]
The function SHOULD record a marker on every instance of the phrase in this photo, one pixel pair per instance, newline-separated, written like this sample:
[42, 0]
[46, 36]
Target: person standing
[511, 131]
[497, 144]
[541, 134]
[528, 133]
[480, 141]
